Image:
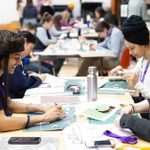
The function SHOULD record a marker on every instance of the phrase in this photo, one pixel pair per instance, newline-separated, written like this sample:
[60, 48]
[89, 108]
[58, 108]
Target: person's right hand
[116, 69]
[53, 114]
[127, 110]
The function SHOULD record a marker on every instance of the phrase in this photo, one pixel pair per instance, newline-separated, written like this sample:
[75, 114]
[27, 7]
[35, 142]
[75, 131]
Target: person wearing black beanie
[137, 40]
[135, 31]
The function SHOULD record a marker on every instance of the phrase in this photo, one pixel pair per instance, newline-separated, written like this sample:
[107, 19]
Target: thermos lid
[92, 69]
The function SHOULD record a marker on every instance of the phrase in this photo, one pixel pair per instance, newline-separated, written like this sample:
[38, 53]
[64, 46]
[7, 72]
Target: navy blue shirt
[19, 82]
[3, 98]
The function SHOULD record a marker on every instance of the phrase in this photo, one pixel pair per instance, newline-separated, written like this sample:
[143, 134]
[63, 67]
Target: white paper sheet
[77, 134]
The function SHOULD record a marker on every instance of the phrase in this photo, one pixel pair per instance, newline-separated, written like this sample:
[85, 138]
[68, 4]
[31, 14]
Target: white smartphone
[102, 143]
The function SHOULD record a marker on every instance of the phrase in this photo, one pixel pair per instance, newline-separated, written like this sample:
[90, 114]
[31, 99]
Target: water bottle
[92, 84]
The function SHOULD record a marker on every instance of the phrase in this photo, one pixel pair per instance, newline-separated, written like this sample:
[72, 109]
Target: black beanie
[135, 31]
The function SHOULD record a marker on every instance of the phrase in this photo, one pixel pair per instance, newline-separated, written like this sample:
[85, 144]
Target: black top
[3, 98]
[48, 9]
[19, 82]
[139, 126]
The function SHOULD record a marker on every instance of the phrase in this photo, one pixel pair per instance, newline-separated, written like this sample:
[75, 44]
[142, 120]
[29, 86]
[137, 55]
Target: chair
[125, 58]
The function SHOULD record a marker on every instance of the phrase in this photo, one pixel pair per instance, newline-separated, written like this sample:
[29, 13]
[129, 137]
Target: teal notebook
[114, 85]
[56, 125]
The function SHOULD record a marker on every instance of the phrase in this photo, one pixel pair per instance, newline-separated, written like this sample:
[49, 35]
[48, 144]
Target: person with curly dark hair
[11, 48]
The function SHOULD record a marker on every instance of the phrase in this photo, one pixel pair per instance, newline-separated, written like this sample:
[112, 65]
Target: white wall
[8, 11]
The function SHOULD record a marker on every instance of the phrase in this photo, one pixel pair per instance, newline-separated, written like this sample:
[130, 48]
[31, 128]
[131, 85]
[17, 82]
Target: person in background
[43, 37]
[56, 30]
[138, 8]
[29, 27]
[30, 13]
[99, 13]
[17, 90]
[65, 21]
[20, 7]
[137, 40]
[31, 62]
[70, 8]
[11, 48]
[47, 7]
[111, 19]
[113, 42]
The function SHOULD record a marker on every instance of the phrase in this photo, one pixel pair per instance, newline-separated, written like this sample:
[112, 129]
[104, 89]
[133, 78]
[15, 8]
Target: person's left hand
[132, 78]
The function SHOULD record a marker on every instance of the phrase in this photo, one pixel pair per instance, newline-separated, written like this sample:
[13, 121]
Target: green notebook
[95, 114]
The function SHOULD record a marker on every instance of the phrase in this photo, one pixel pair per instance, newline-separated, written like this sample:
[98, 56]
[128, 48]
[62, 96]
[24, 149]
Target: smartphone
[24, 140]
[102, 143]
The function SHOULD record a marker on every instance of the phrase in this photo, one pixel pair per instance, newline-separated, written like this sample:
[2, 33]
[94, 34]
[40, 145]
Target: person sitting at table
[139, 126]
[65, 21]
[11, 48]
[113, 42]
[31, 62]
[29, 27]
[99, 13]
[21, 75]
[56, 29]
[136, 36]
[138, 77]
[43, 37]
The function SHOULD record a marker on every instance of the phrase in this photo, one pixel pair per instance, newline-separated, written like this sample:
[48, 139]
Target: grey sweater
[114, 42]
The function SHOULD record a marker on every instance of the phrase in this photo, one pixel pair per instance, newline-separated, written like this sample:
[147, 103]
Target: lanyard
[142, 78]
[2, 91]
[124, 139]
[110, 31]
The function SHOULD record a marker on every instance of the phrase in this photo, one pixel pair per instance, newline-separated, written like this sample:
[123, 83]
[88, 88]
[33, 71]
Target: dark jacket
[18, 82]
[30, 12]
[48, 9]
[139, 126]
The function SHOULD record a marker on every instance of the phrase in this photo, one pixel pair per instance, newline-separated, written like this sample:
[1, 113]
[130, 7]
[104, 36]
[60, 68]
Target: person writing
[113, 42]
[11, 47]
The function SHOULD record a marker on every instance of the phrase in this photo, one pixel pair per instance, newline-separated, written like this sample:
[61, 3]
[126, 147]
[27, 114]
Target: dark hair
[46, 17]
[111, 19]
[101, 11]
[29, 36]
[101, 25]
[30, 26]
[29, 3]
[56, 20]
[10, 42]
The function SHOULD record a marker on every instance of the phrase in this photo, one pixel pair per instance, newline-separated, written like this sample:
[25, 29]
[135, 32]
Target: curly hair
[10, 42]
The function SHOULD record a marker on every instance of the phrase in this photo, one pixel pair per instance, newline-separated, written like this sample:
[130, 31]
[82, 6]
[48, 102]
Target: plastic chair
[125, 58]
